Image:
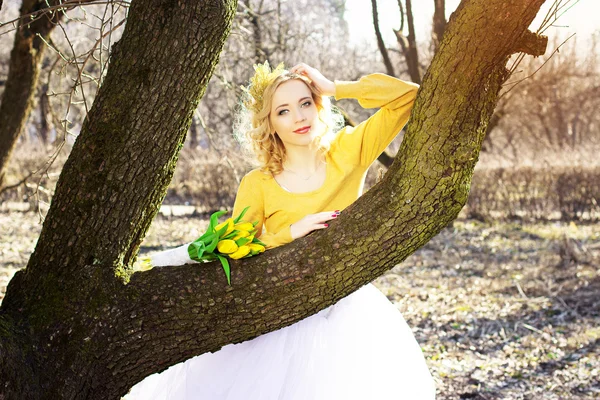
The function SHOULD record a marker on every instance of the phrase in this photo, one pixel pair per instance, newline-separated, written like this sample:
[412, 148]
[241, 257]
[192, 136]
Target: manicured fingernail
[337, 211]
[334, 215]
[326, 225]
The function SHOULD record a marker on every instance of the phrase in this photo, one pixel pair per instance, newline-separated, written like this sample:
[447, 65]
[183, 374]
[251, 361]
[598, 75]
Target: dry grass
[565, 193]
[502, 311]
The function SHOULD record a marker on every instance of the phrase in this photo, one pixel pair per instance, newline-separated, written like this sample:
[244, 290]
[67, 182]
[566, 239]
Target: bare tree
[37, 20]
[548, 107]
[25, 60]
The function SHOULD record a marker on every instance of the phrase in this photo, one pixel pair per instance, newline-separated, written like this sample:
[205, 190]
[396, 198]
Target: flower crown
[263, 77]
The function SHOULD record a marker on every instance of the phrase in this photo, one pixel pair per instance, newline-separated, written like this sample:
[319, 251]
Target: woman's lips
[302, 130]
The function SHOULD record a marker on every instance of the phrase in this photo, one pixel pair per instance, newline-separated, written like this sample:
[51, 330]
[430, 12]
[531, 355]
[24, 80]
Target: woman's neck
[302, 159]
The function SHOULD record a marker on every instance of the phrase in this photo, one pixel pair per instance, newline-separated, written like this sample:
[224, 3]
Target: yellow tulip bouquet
[233, 238]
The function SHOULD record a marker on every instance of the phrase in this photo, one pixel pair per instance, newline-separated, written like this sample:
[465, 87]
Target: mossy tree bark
[77, 324]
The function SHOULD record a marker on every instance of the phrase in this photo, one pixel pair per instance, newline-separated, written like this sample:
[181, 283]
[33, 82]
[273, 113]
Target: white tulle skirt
[359, 348]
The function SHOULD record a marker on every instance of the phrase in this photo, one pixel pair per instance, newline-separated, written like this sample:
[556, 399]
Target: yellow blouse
[352, 151]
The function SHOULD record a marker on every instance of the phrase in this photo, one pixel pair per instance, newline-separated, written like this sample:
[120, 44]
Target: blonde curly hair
[253, 126]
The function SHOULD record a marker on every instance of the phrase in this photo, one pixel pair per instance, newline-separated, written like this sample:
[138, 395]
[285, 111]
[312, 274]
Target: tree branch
[531, 43]
[409, 44]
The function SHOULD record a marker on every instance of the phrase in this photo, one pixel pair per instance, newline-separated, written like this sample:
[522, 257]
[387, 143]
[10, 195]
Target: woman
[358, 348]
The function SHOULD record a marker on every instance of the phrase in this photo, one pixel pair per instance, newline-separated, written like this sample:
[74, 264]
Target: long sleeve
[250, 194]
[395, 97]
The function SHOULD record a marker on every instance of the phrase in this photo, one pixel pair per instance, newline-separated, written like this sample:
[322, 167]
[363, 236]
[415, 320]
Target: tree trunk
[76, 324]
[24, 69]
[380, 43]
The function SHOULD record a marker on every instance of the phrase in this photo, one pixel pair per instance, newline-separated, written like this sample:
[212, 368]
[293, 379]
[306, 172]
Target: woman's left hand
[325, 86]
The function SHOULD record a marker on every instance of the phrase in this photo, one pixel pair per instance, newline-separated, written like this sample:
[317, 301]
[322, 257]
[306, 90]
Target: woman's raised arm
[395, 97]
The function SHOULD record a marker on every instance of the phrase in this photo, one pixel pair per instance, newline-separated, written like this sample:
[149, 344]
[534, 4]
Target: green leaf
[196, 250]
[231, 235]
[205, 235]
[207, 238]
[242, 241]
[225, 265]
[257, 241]
[213, 245]
[239, 217]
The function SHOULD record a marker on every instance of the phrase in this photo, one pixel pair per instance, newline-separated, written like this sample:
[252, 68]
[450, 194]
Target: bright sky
[581, 18]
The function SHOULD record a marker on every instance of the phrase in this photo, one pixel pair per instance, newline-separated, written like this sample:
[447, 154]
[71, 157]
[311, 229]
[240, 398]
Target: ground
[501, 310]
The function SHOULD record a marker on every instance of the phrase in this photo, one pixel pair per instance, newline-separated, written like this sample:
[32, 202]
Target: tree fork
[94, 337]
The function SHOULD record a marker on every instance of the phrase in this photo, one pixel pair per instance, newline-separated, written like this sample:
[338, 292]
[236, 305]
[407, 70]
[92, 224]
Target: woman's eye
[305, 104]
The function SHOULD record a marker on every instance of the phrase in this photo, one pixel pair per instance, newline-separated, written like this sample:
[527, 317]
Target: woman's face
[294, 115]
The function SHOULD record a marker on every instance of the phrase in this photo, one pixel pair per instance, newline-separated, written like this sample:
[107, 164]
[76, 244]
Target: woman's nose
[300, 116]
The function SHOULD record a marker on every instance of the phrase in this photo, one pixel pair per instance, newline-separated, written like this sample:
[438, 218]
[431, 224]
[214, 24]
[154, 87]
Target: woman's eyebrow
[302, 99]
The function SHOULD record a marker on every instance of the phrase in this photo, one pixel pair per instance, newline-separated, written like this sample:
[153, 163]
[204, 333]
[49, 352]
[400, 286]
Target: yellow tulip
[244, 226]
[256, 247]
[230, 226]
[242, 251]
[241, 234]
[227, 246]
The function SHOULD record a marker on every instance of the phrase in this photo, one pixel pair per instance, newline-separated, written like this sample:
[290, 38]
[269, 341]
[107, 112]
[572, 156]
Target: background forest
[505, 302]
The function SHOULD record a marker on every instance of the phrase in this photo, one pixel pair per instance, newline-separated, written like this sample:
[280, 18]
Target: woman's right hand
[312, 222]
[325, 86]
